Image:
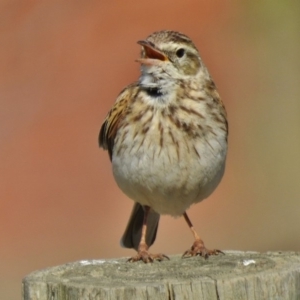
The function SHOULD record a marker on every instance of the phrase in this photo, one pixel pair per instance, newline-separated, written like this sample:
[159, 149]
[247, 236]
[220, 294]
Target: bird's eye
[180, 52]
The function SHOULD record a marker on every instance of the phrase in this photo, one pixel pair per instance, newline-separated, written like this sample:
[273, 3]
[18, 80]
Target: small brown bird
[166, 136]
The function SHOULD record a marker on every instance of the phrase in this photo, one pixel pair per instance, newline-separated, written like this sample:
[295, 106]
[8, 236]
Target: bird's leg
[198, 247]
[142, 252]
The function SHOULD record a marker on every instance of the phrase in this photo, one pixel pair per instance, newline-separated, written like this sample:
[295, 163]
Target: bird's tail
[132, 235]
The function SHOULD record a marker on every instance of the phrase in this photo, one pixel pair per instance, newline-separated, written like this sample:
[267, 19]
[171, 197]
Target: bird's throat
[156, 85]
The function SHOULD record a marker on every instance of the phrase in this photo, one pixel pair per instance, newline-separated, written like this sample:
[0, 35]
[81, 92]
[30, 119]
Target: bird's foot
[199, 249]
[145, 256]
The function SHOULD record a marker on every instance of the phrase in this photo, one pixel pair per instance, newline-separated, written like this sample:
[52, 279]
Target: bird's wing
[114, 117]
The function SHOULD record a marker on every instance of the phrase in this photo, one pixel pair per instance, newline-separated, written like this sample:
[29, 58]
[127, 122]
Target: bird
[166, 136]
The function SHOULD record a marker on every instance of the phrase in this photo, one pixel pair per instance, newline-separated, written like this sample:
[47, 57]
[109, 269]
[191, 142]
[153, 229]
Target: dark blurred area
[62, 64]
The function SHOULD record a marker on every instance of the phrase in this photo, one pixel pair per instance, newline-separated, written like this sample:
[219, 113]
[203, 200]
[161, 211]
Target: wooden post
[235, 275]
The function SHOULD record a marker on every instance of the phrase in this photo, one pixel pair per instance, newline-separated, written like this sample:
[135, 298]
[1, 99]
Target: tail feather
[132, 235]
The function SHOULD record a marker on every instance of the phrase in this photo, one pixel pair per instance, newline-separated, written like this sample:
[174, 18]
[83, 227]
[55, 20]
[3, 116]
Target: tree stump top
[235, 275]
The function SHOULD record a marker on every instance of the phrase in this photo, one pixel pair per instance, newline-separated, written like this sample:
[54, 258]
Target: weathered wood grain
[236, 275]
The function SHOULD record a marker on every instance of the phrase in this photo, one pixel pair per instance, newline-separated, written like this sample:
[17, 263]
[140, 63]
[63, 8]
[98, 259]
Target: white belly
[167, 179]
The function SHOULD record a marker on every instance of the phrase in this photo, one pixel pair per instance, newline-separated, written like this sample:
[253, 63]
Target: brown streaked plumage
[167, 139]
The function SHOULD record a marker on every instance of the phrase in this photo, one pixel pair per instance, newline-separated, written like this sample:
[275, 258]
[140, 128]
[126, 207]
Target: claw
[198, 249]
[146, 257]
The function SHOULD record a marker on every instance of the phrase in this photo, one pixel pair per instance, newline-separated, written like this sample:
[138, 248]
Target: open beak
[152, 55]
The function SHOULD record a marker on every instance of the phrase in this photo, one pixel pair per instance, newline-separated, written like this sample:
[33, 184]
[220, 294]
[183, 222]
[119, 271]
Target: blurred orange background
[62, 64]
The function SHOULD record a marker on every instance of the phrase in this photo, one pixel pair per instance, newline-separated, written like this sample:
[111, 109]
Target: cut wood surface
[235, 275]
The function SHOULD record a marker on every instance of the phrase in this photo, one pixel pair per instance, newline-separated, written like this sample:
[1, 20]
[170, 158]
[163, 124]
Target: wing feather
[114, 117]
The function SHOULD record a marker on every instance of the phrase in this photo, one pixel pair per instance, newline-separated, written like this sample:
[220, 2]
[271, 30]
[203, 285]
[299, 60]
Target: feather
[114, 118]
